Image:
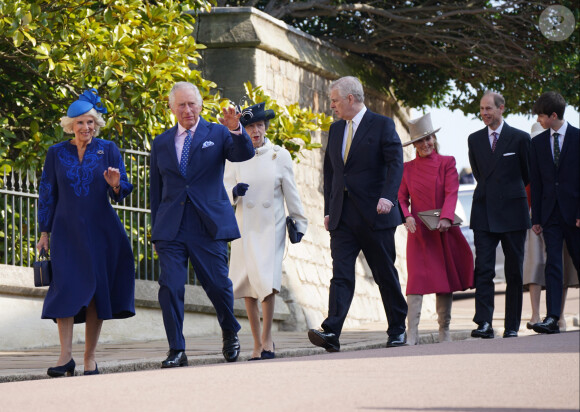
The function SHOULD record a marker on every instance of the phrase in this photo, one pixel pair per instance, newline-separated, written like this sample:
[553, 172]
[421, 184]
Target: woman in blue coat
[92, 261]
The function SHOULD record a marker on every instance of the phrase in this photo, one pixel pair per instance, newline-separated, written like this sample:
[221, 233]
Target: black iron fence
[18, 216]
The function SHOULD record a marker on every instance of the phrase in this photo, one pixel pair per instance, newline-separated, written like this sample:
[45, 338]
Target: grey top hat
[420, 128]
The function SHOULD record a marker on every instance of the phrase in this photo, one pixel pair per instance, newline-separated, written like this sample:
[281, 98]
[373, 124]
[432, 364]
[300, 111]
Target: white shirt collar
[561, 131]
[498, 130]
[181, 130]
[358, 117]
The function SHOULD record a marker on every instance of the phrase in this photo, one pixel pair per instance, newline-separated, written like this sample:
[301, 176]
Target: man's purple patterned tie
[185, 153]
[494, 134]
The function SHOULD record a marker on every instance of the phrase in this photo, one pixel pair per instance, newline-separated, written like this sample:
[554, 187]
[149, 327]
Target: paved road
[528, 373]
[28, 364]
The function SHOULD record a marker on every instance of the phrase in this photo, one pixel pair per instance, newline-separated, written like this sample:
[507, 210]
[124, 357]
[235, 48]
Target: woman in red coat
[438, 261]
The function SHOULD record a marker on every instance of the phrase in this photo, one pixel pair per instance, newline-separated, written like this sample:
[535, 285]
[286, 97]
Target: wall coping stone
[239, 27]
[17, 280]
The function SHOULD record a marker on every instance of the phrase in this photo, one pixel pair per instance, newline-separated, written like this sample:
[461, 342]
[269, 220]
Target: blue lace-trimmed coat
[89, 249]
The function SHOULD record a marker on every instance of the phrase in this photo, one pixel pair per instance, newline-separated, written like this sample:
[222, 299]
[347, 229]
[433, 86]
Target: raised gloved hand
[240, 189]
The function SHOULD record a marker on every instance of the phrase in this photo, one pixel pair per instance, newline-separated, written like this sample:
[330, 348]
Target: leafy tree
[131, 51]
[446, 52]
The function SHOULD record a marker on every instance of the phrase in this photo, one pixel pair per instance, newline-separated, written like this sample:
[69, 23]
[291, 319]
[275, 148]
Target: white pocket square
[207, 143]
[509, 154]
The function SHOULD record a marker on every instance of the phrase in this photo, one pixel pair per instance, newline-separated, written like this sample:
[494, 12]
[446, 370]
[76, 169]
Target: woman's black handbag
[292, 231]
[42, 270]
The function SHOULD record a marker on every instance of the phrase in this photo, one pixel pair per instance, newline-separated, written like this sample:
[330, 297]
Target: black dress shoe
[484, 331]
[67, 369]
[530, 325]
[326, 340]
[231, 345]
[510, 333]
[268, 354]
[175, 358]
[548, 325]
[397, 340]
[93, 372]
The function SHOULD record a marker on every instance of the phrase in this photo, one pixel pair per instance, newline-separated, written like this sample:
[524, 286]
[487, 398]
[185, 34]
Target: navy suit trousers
[556, 231]
[512, 244]
[209, 258]
[350, 237]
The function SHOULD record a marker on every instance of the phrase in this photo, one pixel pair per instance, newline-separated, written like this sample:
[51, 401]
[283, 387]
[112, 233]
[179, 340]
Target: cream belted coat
[256, 258]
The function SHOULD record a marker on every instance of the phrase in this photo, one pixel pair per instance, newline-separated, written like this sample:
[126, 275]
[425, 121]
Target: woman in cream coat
[258, 188]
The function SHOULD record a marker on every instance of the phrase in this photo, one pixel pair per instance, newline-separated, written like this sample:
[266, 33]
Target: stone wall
[244, 44]
[21, 307]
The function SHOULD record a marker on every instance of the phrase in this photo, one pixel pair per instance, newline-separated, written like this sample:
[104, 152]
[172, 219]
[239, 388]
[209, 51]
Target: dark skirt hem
[81, 316]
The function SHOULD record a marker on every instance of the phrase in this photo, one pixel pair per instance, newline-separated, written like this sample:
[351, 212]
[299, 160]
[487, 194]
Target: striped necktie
[185, 153]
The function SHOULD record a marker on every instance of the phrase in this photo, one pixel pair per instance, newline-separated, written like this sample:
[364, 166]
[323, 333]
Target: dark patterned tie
[185, 153]
[556, 148]
[494, 143]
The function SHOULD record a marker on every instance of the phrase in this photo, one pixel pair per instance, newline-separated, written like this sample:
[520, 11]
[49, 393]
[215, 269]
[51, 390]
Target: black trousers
[346, 242]
[556, 231]
[512, 244]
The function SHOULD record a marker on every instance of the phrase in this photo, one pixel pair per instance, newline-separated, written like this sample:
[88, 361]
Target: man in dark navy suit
[555, 189]
[191, 215]
[499, 157]
[363, 167]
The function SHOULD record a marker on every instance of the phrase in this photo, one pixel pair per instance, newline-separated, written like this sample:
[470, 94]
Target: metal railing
[18, 216]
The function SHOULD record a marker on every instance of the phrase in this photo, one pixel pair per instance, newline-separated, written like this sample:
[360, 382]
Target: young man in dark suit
[555, 189]
[191, 215]
[499, 157]
[363, 167]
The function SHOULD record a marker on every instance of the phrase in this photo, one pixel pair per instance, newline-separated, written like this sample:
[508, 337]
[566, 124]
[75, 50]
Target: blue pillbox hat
[88, 100]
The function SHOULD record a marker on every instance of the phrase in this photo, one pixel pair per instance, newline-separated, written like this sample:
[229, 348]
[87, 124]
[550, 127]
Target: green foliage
[293, 126]
[130, 50]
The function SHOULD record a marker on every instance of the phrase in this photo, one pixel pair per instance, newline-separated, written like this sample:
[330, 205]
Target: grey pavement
[530, 373]
[202, 350]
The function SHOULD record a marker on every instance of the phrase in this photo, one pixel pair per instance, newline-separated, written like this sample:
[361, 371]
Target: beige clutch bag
[431, 218]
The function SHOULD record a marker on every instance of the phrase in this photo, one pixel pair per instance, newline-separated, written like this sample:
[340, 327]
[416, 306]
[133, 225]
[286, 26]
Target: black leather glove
[299, 236]
[240, 189]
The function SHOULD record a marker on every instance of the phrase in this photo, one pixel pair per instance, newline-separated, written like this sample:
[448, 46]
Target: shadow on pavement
[566, 342]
